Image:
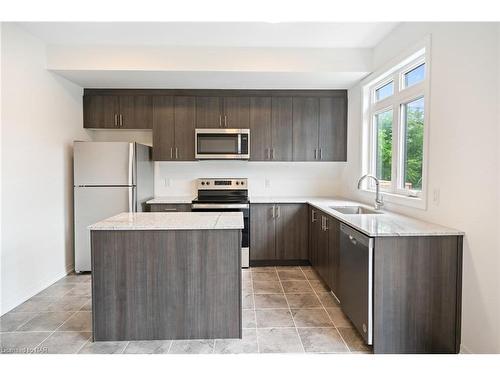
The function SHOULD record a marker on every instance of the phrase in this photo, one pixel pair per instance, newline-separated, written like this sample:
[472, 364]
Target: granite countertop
[170, 200]
[387, 224]
[171, 221]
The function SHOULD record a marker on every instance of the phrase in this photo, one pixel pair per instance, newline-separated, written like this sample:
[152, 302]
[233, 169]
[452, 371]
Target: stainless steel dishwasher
[356, 279]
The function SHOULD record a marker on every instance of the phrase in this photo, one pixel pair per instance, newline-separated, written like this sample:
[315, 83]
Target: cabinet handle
[272, 154]
[315, 154]
[176, 153]
[267, 154]
[326, 224]
[225, 121]
[170, 209]
[171, 153]
[278, 211]
[116, 119]
[121, 120]
[313, 216]
[273, 209]
[220, 121]
[320, 154]
[354, 242]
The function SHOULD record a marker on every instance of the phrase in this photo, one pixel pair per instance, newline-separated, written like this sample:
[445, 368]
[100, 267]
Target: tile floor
[285, 310]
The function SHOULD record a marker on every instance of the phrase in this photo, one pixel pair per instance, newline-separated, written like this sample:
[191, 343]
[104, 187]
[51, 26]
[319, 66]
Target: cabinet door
[236, 112]
[332, 129]
[208, 112]
[314, 234]
[100, 111]
[282, 130]
[136, 112]
[291, 231]
[305, 129]
[260, 128]
[185, 117]
[323, 258]
[334, 254]
[163, 128]
[262, 232]
[169, 207]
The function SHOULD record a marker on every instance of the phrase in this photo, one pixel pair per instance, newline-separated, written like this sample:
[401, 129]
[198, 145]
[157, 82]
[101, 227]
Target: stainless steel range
[226, 194]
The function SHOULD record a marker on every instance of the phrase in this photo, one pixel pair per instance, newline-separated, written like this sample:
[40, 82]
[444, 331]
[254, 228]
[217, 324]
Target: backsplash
[174, 179]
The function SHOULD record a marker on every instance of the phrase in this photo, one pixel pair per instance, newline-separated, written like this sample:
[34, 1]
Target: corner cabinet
[278, 234]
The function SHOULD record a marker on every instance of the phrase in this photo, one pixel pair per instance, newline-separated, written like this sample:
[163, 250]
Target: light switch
[168, 182]
[268, 183]
[435, 196]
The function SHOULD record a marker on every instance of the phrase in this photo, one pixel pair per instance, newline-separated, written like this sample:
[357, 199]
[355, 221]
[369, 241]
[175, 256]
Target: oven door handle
[216, 206]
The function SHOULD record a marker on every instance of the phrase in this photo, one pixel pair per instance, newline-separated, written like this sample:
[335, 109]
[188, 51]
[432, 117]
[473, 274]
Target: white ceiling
[225, 34]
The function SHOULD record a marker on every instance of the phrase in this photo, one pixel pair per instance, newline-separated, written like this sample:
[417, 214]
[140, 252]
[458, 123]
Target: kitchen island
[158, 276]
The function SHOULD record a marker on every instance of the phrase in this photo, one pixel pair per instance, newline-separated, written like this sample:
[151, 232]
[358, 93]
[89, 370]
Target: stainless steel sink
[355, 210]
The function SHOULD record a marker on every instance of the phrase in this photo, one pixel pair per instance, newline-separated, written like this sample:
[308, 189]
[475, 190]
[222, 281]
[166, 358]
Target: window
[414, 76]
[384, 91]
[395, 128]
[383, 139]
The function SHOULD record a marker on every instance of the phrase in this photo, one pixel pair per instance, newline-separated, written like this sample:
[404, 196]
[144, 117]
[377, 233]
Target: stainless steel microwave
[222, 144]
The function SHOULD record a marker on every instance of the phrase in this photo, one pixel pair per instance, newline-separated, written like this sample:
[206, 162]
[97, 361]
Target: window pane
[384, 92]
[383, 133]
[415, 75]
[413, 143]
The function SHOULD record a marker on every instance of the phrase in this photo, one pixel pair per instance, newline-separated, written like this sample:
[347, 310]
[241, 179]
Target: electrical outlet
[436, 196]
[167, 181]
[268, 183]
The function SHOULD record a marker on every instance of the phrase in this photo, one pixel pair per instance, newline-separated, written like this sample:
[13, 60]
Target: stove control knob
[208, 182]
[242, 182]
[237, 183]
[203, 182]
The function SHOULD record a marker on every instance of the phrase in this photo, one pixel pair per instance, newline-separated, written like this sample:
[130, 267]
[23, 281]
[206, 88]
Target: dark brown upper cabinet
[100, 111]
[282, 129]
[305, 129]
[320, 129]
[271, 129]
[286, 125]
[260, 128]
[236, 112]
[223, 112]
[208, 112]
[118, 111]
[332, 129]
[173, 128]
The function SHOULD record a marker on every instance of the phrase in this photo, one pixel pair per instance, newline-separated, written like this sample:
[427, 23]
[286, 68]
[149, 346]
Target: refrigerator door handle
[131, 168]
[131, 200]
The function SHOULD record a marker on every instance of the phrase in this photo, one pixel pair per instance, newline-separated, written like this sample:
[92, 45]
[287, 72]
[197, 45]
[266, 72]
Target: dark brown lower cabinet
[166, 284]
[169, 207]
[262, 232]
[279, 233]
[324, 247]
[417, 289]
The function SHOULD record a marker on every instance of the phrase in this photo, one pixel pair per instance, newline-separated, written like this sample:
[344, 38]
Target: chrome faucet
[379, 202]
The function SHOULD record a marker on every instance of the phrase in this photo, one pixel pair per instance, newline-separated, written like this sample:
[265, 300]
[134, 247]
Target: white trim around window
[396, 190]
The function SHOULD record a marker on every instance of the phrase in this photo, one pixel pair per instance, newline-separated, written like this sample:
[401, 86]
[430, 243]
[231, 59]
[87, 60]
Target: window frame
[395, 71]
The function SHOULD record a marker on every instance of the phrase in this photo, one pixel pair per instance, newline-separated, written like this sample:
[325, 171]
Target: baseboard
[279, 262]
[464, 350]
[37, 289]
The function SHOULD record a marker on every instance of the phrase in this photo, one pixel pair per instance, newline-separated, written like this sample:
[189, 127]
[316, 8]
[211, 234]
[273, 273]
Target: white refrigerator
[109, 178]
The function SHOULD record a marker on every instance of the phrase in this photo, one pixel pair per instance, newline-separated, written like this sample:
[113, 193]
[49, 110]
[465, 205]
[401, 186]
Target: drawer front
[170, 207]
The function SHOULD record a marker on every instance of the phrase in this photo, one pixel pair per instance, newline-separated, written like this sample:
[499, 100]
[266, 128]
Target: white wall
[464, 164]
[41, 116]
[284, 178]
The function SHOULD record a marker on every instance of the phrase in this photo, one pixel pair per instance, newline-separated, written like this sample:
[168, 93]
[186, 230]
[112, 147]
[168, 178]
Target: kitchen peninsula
[166, 276]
